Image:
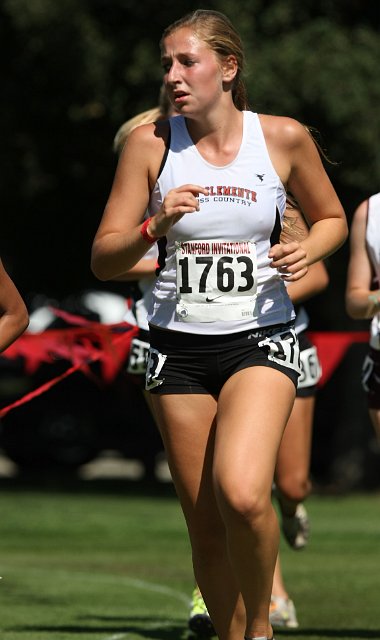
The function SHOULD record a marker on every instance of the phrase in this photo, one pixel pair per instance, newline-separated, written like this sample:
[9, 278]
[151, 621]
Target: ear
[229, 68]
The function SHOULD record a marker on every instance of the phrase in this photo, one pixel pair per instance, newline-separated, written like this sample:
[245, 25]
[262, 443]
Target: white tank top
[215, 276]
[373, 247]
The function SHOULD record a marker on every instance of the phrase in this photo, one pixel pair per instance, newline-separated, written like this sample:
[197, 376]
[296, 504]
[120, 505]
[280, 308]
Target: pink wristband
[145, 233]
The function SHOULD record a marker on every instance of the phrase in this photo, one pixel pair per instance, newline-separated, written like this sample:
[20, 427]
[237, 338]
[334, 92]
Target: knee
[243, 504]
[294, 487]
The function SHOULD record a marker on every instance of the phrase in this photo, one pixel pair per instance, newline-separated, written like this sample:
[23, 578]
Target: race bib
[367, 373]
[310, 368]
[138, 357]
[283, 348]
[155, 362]
[216, 280]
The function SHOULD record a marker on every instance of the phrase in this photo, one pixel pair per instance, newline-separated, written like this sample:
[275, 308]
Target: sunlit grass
[112, 562]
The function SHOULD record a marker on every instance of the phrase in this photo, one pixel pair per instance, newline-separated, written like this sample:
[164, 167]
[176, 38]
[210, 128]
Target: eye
[166, 66]
[188, 63]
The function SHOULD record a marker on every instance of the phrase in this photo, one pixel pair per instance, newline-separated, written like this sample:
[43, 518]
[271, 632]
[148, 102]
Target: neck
[216, 128]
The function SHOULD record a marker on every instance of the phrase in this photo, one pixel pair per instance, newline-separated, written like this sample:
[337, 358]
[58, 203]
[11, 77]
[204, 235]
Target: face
[193, 74]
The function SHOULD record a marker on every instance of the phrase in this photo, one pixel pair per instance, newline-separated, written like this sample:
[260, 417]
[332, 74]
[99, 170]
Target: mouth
[179, 96]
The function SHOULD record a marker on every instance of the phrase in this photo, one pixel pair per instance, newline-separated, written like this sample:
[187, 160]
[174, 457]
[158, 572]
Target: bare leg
[187, 425]
[278, 588]
[293, 462]
[249, 431]
[292, 468]
[235, 536]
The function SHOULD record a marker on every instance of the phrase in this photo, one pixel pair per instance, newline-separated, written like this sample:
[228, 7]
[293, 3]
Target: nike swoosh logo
[212, 299]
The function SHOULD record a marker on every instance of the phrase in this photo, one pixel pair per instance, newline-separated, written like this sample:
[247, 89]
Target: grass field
[110, 561]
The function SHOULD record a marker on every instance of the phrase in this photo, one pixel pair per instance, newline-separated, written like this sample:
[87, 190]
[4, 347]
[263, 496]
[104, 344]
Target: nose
[173, 75]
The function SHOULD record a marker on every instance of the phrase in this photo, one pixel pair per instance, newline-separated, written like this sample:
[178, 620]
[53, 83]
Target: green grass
[105, 561]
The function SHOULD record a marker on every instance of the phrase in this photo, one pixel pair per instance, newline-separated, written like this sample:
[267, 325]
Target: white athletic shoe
[282, 613]
[296, 529]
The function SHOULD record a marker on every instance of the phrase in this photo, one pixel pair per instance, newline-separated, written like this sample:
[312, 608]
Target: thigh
[295, 448]
[253, 408]
[187, 427]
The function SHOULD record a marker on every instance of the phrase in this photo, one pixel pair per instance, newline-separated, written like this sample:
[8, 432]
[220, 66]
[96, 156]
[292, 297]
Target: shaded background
[72, 72]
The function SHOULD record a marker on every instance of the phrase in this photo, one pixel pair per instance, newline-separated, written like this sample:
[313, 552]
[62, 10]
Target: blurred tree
[72, 72]
[52, 168]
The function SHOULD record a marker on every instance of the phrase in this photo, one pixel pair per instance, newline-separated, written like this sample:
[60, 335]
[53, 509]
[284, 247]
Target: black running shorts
[371, 378]
[191, 363]
[310, 367]
[138, 354]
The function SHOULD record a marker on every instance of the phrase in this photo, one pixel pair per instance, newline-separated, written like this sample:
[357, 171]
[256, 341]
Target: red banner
[332, 347]
[80, 345]
[91, 342]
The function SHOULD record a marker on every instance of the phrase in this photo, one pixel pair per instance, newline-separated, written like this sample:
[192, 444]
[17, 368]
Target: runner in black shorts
[213, 180]
[292, 473]
[363, 294]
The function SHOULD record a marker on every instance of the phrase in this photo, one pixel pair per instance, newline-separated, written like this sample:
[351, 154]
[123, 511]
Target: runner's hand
[177, 202]
[290, 260]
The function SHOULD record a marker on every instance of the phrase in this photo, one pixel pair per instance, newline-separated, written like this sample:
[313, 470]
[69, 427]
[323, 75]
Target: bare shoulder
[286, 131]
[289, 145]
[150, 138]
[145, 149]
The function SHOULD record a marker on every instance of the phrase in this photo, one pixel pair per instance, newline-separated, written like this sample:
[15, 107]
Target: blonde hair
[151, 115]
[216, 30]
